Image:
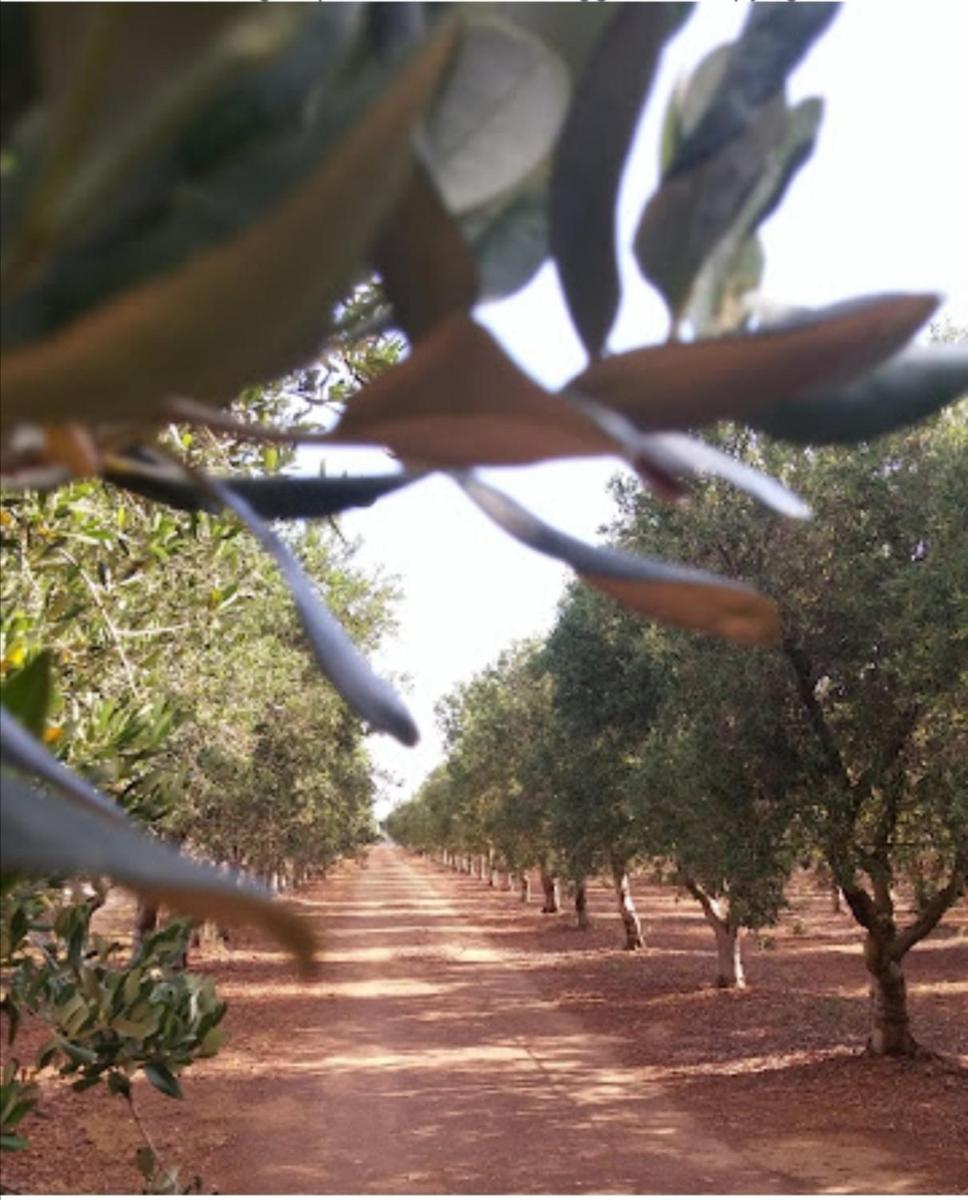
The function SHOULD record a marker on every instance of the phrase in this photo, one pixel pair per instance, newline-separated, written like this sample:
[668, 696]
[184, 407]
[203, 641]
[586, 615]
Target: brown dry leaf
[458, 400]
[677, 595]
[248, 309]
[427, 270]
[727, 608]
[683, 384]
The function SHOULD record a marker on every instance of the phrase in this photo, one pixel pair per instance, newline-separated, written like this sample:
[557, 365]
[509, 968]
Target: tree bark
[581, 904]
[729, 961]
[834, 897]
[552, 892]
[524, 887]
[626, 906]
[508, 883]
[890, 1022]
[145, 922]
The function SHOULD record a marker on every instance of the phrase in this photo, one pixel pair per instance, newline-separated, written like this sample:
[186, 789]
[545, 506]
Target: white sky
[881, 206]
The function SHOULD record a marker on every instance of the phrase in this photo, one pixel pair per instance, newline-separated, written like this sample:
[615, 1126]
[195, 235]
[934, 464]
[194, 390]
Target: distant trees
[160, 654]
[727, 767]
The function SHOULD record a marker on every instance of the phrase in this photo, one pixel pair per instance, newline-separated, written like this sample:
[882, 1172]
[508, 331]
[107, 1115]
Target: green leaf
[146, 1161]
[692, 212]
[12, 1141]
[589, 158]
[510, 241]
[49, 834]
[203, 330]
[160, 1076]
[905, 390]
[212, 1042]
[680, 385]
[338, 658]
[497, 116]
[27, 692]
[677, 595]
[736, 264]
[78, 1054]
[773, 40]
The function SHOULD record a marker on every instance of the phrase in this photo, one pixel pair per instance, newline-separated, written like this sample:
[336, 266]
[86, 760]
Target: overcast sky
[881, 206]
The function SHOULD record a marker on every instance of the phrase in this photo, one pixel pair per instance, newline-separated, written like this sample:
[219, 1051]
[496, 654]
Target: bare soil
[457, 1041]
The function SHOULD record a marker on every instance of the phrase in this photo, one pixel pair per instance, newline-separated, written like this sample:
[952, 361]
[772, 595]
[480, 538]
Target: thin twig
[148, 1142]
[115, 637]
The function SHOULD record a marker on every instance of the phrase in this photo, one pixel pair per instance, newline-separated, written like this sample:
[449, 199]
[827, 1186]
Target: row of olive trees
[189, 197]
[610, 744]
[213, 734]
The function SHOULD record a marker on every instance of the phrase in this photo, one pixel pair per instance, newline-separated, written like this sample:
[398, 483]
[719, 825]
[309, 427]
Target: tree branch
[935, 909]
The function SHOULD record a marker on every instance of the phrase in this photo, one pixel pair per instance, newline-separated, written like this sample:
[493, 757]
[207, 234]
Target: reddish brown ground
[457, 1041]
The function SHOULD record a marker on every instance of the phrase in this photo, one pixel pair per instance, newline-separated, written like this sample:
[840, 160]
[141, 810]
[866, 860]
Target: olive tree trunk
[552, 892]
[890, 1021]
[729, 960]
[581, 904]
[626, 905]
[524, 887]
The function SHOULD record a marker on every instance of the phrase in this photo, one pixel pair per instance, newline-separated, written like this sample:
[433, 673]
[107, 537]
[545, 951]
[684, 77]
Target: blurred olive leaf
[281, 497]
[678, 385]
[161, 1077]
[736, 264]
[571, 30]
[204, 330]
[498, 114]
[510, 240]
[339, 660]
[590, 156]
[21, 750]
[674, 456]
[459, 400]
[27, 693]
[773, 40]
[49, 834]
[426, 268]
[678, 595]
[692, 212]
[905, 389]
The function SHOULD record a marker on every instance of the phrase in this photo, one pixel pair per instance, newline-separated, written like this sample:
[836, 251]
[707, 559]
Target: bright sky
[880, 207]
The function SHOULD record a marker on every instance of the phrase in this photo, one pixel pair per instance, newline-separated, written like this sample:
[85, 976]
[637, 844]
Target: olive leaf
[45, 833]
[510, 240]
[736, 264]
[422, 258]
[691, 213]
[204, 330]
[906, 389]
[674, 456]
[27, 693]
[677, 595]
[459, 400]
[590, 156]
[338, 658]
[281, 497]
[773, 40]
[497, 115]
[678, 384]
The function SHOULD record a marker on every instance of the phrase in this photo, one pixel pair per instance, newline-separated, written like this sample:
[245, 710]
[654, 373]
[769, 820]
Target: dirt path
[422, 1061]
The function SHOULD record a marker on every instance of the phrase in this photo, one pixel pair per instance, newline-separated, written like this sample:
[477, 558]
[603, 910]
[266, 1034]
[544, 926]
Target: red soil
[457, 1041]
